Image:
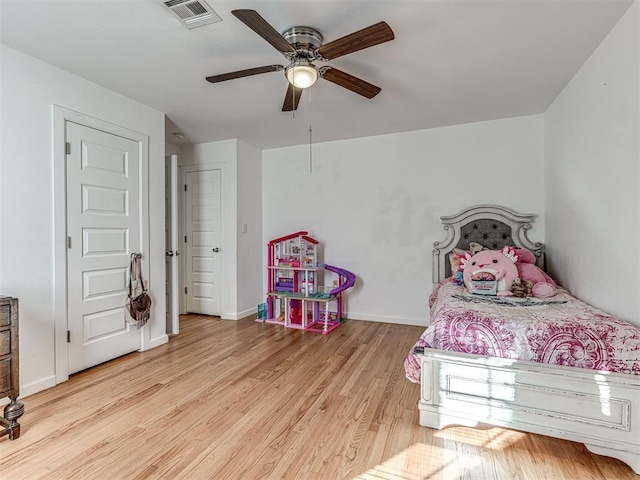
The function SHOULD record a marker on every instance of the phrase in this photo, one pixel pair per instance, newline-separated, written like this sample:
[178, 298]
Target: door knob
[169, 253]
[216, 250]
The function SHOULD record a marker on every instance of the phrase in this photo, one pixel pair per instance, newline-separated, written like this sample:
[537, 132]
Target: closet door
[103, 229]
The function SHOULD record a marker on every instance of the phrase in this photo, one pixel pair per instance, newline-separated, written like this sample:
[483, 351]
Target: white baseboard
[156, 342]
[240, 315]
[419, 322]
[37, 386]
[50, 381]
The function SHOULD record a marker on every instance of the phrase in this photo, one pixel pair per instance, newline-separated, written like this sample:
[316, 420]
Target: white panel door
[203, 250]
[171, 243]
[103, 228]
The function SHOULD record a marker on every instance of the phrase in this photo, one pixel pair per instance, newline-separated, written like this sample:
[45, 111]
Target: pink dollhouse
[295, 298]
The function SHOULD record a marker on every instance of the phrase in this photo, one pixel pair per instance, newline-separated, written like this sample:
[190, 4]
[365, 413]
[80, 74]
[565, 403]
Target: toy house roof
[301, 233]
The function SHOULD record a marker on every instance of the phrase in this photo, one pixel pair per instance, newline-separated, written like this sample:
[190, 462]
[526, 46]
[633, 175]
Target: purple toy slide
[349, 282]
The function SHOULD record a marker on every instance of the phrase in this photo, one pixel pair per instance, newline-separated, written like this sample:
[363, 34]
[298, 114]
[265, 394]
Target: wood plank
[246, 400]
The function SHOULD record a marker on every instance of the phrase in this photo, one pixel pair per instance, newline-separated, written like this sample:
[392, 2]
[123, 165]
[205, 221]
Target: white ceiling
[452, 61]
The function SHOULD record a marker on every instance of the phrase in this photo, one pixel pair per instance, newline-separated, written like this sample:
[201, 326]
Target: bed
[554, 366]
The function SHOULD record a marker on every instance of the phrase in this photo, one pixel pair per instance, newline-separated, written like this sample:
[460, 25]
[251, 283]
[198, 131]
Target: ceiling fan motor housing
[303, 39]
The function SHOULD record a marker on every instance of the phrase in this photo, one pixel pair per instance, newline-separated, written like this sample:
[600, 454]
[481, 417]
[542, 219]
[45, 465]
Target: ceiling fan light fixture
[301, 75]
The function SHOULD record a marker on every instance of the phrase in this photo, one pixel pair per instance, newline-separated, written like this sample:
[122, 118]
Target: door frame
[223, 230]
[174, 281]
[60, 117]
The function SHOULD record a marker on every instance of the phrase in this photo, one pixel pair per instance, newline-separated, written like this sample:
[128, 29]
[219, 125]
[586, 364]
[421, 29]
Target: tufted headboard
[489, 225]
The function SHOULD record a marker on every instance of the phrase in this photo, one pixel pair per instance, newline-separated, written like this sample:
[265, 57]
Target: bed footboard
[599, 409]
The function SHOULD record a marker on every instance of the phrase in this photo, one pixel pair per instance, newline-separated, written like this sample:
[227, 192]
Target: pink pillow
[525, 256]
[533, 273]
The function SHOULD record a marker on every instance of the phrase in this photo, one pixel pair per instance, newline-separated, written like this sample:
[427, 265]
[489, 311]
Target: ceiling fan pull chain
[310, 154]
[310, 134]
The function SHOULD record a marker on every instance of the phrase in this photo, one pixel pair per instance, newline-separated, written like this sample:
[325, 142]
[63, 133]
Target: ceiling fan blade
[255, 22]
[291, 98]
[244, 73]
[365, 38]
[350, 82]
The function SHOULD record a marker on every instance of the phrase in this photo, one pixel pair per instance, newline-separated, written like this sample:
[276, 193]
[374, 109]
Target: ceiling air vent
[193, 13]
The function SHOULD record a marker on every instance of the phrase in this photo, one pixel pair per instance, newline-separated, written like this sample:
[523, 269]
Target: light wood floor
[245, 400]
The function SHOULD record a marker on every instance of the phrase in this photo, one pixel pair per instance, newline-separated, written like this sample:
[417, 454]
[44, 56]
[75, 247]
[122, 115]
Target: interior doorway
[203, 240]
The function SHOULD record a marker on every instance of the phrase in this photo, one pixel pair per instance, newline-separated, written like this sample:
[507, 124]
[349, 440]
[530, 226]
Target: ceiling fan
[302, 46]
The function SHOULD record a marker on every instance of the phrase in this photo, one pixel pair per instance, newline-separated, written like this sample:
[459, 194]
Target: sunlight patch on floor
[420, 462]
[503, 439]
[494, 438]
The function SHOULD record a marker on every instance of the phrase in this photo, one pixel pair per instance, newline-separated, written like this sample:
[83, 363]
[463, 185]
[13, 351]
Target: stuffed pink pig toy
[501, 264]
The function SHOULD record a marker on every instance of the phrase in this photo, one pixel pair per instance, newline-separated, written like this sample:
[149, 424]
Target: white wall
[29, 89]
[250, 266]
[592, 178]
[172, 149]
[375, 203]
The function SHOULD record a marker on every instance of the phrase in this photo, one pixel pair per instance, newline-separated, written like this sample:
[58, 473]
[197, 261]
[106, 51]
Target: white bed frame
[599, 409]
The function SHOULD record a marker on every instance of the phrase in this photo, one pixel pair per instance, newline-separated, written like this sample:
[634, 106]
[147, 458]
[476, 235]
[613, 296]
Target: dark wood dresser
[9, 367]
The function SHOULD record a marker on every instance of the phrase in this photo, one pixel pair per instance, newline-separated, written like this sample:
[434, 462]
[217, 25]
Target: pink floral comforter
[561, 330]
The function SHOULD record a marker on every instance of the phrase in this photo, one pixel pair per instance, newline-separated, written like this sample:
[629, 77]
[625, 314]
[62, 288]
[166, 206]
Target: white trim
[222, 166]
[37, 386]
[143, 142]
[174, 281]
[240, 315]
[420, 322]
[32, 388]
[157, 341]
[60, 117]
